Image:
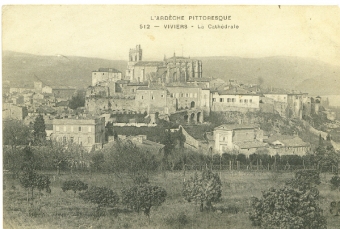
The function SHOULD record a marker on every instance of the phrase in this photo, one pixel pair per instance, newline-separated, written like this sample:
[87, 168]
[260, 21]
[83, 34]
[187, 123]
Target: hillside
[21, 69]
[286, 72]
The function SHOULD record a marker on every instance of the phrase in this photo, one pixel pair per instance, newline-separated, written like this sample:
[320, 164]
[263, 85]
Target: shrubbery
[143, 197]
[74, 185]
[335, 182]
[102, 196]
[206, 188]
[287, 208]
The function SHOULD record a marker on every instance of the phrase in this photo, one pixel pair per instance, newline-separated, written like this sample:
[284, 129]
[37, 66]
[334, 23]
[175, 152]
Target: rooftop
[236, 127]
[107, 70]
[149, 63]
[286, 140]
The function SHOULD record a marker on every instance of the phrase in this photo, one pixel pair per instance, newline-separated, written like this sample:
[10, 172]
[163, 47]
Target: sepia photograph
[170, 116]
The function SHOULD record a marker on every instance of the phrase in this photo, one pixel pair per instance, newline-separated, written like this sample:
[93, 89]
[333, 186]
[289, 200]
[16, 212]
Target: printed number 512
[144, 26]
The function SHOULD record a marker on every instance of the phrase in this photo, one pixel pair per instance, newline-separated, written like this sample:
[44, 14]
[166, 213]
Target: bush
[207, 188]
[335, 182]
[74, 185]
[287, 208]
[143, 197]
[176, 220]
[305, 180]
[141, 179]
[102, 196]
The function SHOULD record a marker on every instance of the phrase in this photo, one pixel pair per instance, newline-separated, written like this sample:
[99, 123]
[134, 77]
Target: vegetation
[102, 196]
[335, 182]
[77, 101]
[287, 208]
[74, 185]
[39, 129]
[15, 133]
[143, 197]
[205, 189]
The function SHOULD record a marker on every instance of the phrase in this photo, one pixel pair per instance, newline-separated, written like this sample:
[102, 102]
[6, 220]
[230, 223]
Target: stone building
[242, 138]
[174, 69]
[287, 145]
[105, 75]
[90, 133]
[11, 111]
[234, 100]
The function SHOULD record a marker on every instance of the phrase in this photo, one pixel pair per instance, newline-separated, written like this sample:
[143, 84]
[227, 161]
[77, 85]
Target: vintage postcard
[171, 116]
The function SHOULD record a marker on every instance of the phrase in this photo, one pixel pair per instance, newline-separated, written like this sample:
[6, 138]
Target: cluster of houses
[176, 90]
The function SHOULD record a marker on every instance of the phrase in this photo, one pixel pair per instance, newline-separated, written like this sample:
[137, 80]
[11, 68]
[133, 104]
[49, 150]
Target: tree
[287, 208]
[31, 180]
[39, 129]
[77, 101]
[98, 161]
[204, 189]
[335, 182]
[15, 133]
[102, 196]
[74, 185]
[143, 196]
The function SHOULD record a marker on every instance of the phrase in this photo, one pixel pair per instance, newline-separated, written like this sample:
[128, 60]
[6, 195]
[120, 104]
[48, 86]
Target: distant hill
[21, 68]
[305, 74]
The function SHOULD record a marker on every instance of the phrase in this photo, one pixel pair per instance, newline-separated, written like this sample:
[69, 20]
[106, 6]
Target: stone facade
[233, 137]
[85, 132]
[105, 75]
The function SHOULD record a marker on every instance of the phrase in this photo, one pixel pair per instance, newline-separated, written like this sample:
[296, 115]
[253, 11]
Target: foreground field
[65, 210]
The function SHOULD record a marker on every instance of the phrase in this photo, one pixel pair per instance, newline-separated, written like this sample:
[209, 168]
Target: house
[105, 74]
[236, 99]
[242, 138]
[11, 111]
[287, 145]
[88, 132]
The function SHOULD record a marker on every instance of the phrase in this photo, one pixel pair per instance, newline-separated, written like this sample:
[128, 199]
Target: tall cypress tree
[39, 129]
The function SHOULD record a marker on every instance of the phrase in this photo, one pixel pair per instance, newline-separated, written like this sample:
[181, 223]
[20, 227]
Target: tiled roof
[249, 145]
[149, 63]
[199, 80]
[288, 141]
[107, 70]
[235, 127]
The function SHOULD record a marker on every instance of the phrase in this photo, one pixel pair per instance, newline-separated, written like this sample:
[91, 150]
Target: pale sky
[110, 31]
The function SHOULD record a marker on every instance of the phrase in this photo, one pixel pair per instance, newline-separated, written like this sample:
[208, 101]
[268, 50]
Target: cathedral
[170, 70]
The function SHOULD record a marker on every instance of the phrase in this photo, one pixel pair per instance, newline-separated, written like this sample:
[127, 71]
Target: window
[250, 100]
[79, 128]
[181, 94]
[71, 128]
[142, 97]
[190, 95]
[89, 129]
[94, 73]
[71, 139]
[186, 95]
[221, 100]
[79, 141]
[56, 128]
[162, 96]
[152, 97]
[228, 100]
[233, 100]
[241, 101]
[195, 95]
[214, 100]
[64, 139]
[246, 101]
[64, 128]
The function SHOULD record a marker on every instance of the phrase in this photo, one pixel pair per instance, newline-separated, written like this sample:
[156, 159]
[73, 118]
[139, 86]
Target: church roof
[149, 63]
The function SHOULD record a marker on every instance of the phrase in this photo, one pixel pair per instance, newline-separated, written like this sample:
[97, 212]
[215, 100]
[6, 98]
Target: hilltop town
[173, 91]
[151, 130]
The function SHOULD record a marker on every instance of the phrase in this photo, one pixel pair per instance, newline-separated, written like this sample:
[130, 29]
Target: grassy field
[65, 210]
